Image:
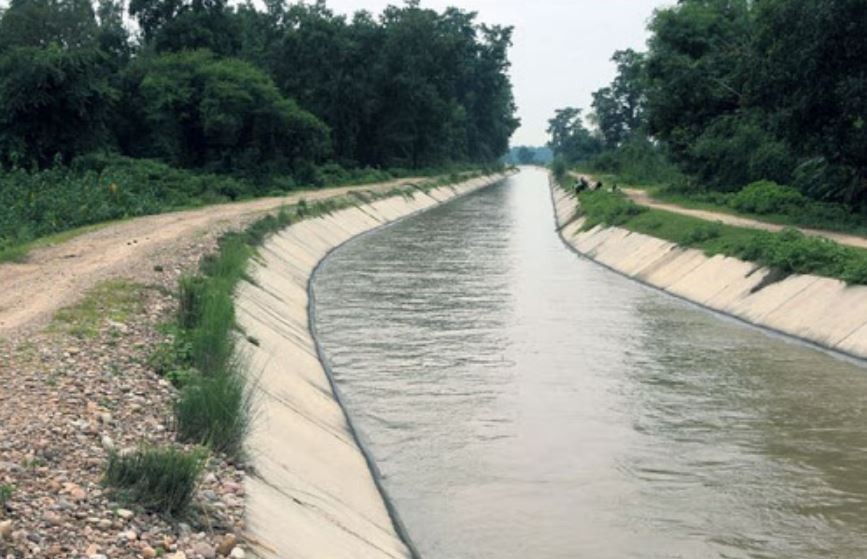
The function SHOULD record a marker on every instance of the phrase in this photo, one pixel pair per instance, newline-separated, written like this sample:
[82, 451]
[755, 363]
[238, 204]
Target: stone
[92, 549]
[108, 443]
[237, 553]
[6, 530]
[227, 544]
[148, 552]
[204, 550]
[125, 514]
[178, 555]
[52, 518]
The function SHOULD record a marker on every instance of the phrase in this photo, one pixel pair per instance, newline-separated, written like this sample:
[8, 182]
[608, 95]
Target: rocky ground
[82, 387]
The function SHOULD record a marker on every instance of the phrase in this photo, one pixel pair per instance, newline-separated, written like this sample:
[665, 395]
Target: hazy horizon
[561, 52]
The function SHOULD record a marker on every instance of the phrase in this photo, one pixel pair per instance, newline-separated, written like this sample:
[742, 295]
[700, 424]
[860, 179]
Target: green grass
[115, 300]
[788, 251]
[6, 492]
[802, 212]
[214, 410]
[160, 480]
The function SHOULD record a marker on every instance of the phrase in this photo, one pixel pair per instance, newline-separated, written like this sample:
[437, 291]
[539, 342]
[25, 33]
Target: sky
[562, 48]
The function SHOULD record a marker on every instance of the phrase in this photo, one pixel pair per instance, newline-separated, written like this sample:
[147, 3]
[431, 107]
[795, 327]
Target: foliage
[638, 161]
[97, 189]
[570, 138]
[55, 104]
[193, 109]
[767, 197]
[735, 92]
[161, 480]
[618, 110]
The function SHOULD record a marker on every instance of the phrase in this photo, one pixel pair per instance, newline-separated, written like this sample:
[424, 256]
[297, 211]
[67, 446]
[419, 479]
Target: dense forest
[731, 92]
[201, 100]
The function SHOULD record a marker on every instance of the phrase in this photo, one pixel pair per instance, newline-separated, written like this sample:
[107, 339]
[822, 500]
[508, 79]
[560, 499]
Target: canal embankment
[819, 310]
[314, 491]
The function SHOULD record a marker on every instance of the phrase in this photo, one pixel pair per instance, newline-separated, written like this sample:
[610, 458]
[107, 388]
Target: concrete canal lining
[822, 311]
[313, 493]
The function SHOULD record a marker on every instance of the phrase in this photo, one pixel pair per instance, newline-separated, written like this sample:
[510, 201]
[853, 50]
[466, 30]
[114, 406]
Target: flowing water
[523, 402]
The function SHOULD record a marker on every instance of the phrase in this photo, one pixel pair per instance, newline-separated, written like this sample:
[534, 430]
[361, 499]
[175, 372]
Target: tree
[197, 110]
[526, 156]
[56, 104]
[618, 110]
[812, 82]
[570, 139]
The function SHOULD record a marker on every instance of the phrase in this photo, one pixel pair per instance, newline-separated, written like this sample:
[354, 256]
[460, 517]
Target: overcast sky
[562, 48]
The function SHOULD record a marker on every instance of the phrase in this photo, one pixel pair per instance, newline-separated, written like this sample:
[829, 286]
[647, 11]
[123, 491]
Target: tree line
[204, 85]
[730, 92]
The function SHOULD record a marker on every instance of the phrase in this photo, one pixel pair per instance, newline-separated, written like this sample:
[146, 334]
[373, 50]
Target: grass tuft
[161, 480]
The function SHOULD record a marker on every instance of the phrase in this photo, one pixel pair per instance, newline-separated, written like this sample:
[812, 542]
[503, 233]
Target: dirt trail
[642, 198]
[58, 275]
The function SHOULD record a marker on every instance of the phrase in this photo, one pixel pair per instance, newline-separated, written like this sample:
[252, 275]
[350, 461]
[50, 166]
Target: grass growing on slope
[162, 480]
[788, 251]
[762, 200]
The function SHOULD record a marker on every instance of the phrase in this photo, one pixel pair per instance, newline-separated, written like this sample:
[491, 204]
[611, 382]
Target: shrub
[701, 233]
[767, 197]
[792, 251]
[161, 480]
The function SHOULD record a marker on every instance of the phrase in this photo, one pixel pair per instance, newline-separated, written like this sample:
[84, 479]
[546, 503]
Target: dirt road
[57, 276]
[642, 198]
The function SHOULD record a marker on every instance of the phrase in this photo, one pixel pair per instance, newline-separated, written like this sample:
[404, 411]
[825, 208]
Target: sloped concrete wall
[312, 494]
[822, 311]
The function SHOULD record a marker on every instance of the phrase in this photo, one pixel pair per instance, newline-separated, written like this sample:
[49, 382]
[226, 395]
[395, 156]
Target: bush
[701, 233]
[792, 251]
[161, 480]
[767, 197]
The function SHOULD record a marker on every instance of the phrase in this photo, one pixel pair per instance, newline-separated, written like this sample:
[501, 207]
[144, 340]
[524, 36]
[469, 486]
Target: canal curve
[522, 401]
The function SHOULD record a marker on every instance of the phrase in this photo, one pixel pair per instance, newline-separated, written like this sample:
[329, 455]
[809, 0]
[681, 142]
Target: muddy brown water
[521, 401]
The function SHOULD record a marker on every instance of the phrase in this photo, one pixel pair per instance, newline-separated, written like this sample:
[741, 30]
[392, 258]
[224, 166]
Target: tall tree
[570, 138]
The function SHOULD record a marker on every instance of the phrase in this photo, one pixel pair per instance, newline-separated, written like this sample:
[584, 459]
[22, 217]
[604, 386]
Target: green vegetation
[161, 480]
[788, 251]
[735, 96]
[6, 492]
[213, 102]
[113, 300]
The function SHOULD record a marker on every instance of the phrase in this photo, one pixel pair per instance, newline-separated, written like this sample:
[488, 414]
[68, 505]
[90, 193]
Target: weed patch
[161, 480]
